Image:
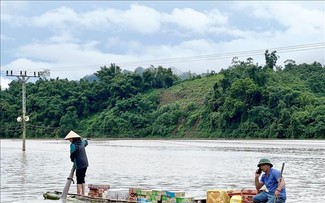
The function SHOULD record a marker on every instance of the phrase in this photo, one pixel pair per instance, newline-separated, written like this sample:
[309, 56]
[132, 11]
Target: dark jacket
[78, 153]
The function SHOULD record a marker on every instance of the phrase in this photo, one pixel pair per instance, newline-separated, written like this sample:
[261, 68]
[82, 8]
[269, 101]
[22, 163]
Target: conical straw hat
[71, 134]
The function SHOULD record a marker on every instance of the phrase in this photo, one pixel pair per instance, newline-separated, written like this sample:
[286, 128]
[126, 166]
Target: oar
[275, 199]
[67, 185]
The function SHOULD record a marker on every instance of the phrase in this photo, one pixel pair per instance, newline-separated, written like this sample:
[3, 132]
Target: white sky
[76, 38]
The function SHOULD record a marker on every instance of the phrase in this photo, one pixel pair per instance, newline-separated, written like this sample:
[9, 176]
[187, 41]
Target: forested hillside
[246, 100]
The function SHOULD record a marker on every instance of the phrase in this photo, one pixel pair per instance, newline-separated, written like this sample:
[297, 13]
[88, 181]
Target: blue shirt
[271, 182]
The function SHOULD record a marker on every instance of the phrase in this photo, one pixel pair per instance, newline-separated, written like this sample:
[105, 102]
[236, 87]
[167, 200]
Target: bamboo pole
[275, 199]
[68, 183]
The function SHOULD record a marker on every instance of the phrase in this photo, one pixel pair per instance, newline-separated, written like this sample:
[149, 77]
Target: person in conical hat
[273, 181]
[72, 135]
[78, 156]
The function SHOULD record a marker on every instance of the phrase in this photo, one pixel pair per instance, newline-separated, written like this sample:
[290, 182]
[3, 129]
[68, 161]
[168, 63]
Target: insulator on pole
[11, 72]
[7, 73]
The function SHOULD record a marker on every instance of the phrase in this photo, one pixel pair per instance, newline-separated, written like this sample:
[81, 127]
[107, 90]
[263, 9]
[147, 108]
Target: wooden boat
[103, 193]
[73, 197]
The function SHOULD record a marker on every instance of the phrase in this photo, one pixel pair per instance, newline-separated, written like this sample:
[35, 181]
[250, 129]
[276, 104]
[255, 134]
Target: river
[193, 166]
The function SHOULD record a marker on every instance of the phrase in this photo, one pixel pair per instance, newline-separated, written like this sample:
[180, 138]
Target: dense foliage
[255, 101]
[56, 106]
[244, 101]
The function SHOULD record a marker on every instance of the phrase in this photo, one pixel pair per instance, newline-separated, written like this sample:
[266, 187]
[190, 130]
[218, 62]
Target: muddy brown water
[193, 166]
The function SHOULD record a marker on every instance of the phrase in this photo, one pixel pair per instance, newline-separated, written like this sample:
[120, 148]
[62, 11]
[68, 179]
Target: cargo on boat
[103, 193]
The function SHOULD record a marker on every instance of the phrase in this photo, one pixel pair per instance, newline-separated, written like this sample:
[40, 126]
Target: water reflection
[191, 165]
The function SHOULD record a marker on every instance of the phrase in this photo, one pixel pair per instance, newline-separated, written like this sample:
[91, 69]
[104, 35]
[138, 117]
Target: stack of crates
[172, 196]
[97, 190]
[139, 195]
[118, 194]
[243, 196]
[144, 195]
[217, 196]
[231, 196]
[157, 196]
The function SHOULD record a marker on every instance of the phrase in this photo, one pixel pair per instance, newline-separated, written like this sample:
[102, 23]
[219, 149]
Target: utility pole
[23, 77]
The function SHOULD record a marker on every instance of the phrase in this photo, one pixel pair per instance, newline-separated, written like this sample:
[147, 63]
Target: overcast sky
[76, 38]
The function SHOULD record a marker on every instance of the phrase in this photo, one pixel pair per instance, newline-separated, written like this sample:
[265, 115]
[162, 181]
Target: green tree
[270, 59]
[69, 121]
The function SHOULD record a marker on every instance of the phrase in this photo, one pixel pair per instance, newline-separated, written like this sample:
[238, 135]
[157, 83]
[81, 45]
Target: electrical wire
[218, 56]
[234, 54]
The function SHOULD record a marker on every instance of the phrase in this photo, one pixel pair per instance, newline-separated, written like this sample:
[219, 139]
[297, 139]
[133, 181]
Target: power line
[218, 56]
[233, 54]
[285, 49]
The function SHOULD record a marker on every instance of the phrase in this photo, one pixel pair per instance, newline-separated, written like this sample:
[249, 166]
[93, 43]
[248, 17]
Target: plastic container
[236, 199]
